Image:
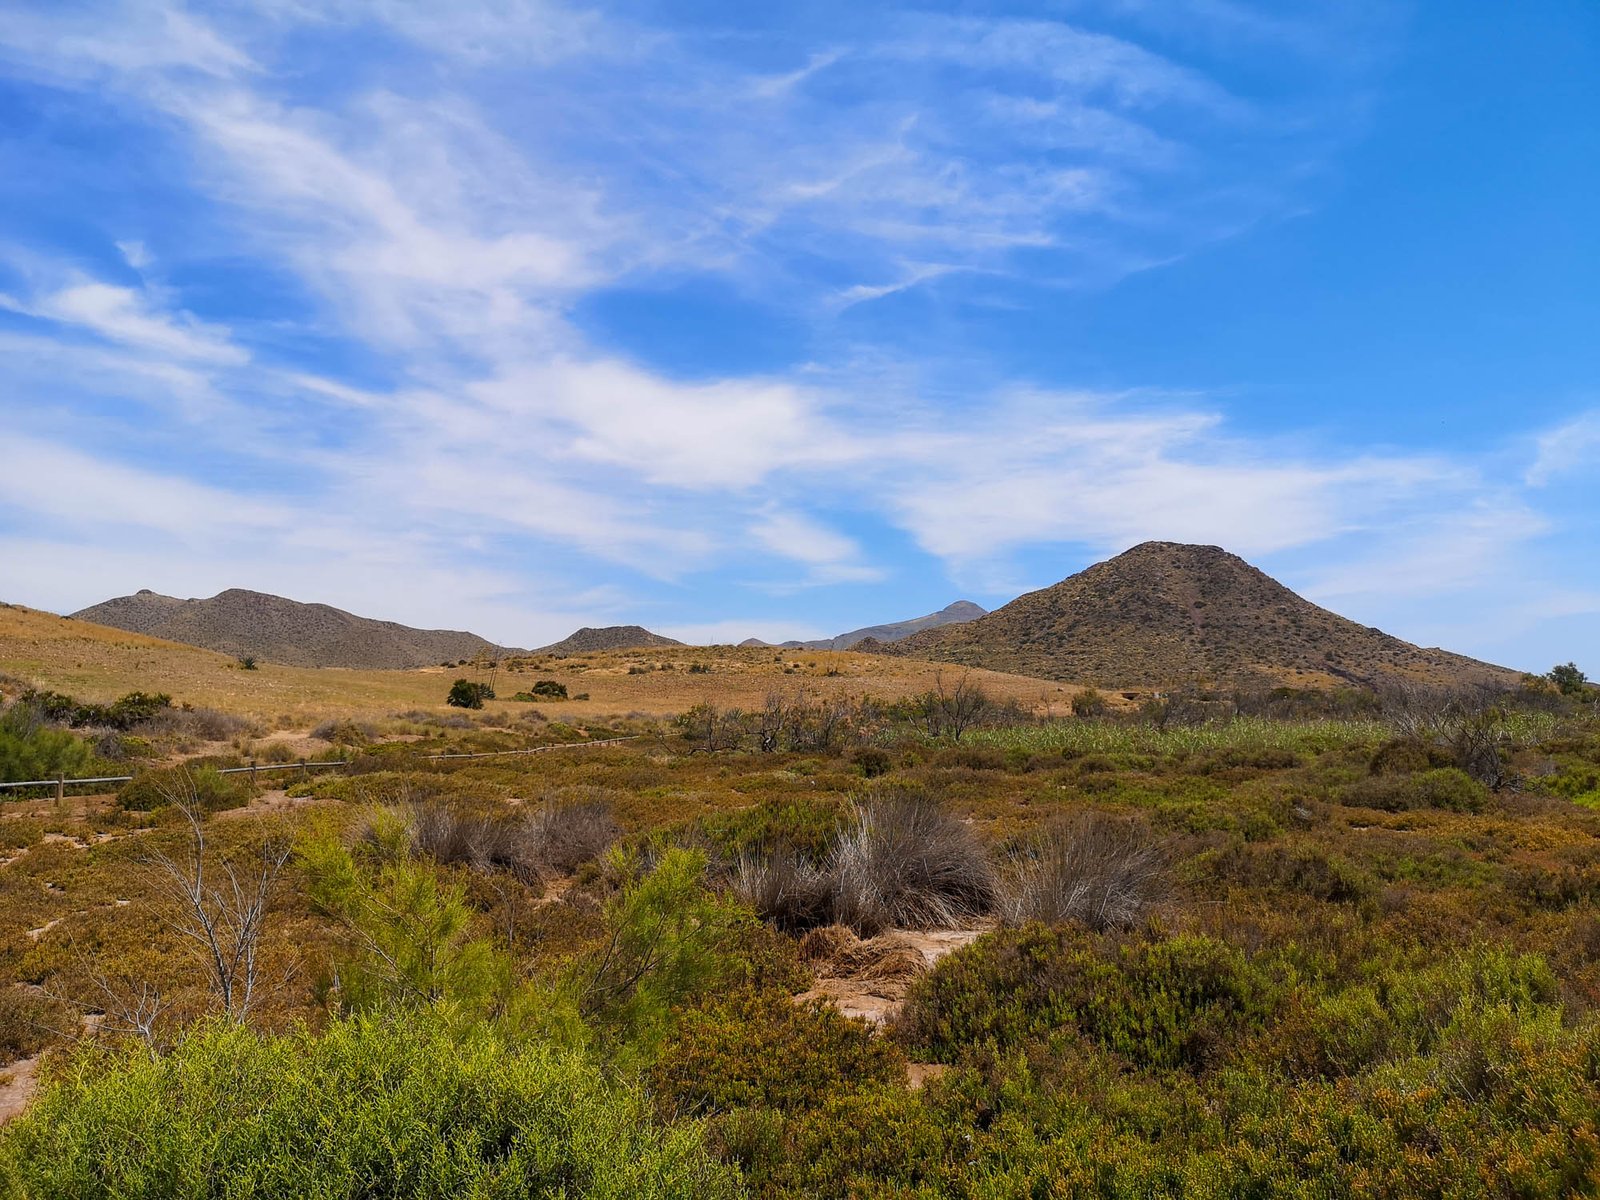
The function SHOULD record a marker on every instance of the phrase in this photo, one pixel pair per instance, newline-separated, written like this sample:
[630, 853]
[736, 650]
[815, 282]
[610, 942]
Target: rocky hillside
[611, 637]
[275, 629]
[951, 614]
[1166, 614]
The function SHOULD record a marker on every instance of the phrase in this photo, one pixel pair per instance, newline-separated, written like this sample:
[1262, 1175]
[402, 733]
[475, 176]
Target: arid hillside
[274, 629]
[96, 662]
[590, 640]
[1164, 614]
[950, 614]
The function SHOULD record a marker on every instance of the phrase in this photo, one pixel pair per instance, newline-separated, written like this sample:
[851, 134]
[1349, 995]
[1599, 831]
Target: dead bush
[206, 724]
[785, 889]
[565, 835]
[453, 835]
[346, 732]
[1096, 870]
[908, 863]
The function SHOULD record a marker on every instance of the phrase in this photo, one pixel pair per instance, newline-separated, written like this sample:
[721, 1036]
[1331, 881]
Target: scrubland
[1284, 945]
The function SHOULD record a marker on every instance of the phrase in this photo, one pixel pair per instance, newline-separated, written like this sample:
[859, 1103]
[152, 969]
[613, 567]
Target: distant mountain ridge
[1165, 613]
[276, 629]
[950, 614]
[590, 640]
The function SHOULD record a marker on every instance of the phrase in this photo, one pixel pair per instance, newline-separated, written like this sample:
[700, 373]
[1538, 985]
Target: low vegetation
[1270, 945]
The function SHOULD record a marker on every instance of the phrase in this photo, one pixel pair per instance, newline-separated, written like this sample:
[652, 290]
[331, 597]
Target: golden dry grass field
[97, 663]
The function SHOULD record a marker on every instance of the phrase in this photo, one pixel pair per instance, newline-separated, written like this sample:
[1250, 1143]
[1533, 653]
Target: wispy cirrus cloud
[380, 332]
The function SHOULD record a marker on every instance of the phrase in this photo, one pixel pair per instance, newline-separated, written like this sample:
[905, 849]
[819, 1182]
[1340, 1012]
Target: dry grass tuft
[1100, 871]
[904, 863]
[569, 833]
[909, 864]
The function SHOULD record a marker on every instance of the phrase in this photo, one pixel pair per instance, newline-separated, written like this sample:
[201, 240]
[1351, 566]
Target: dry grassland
[94, 662]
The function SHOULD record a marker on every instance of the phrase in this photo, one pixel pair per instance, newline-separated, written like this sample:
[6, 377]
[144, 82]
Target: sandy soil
[868, 978]
[18, 1082]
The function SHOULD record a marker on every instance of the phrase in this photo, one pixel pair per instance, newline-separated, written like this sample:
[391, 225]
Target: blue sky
[776, 320]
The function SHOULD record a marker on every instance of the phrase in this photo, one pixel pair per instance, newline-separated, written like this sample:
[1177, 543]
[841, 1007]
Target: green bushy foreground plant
[371, 1106]
[29, 749]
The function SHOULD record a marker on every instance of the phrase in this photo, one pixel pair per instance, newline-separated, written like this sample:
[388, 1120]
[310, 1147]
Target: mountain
[1163, 614]
[275, 629]
[951, 614]
[612, 637]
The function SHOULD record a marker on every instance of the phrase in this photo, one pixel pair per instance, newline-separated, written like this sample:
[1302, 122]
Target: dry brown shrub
[570, 832]
[909, 864]
[1100, 871]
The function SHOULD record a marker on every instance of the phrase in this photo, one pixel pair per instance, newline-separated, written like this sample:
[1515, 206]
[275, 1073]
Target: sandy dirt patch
[869, 977]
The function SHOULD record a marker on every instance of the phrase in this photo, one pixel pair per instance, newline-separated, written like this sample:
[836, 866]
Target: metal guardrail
[61, 783]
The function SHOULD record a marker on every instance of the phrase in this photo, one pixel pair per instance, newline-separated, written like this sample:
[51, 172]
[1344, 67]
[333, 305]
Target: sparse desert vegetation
[1182, 948]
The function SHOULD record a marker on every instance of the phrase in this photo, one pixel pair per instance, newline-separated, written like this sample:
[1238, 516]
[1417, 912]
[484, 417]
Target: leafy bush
[804, 825]
[1307, 870]
[124, 713]
[549, 689]
[466, 694]
[1096, 870]
[203, 786]
[760, 1049]
[1568, 679]
[28, 1023]
[667, 940]
[414, 941]
[1167, 1003]
[1444, 787]
[345, 732]
[31, 750]
[372, 1106]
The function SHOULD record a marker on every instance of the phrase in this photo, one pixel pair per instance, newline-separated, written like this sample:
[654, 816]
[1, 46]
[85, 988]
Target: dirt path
[18, 1082]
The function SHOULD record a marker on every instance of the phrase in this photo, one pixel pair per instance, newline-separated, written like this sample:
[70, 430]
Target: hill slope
[275, 629]
[950, 614]
[1164, 614]
[589, 640]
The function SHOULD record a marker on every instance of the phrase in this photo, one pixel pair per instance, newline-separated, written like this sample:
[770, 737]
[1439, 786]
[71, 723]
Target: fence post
[61, 788]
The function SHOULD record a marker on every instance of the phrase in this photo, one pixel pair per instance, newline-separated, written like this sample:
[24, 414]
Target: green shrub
[760, 1049]
[466, 694]
[373, 1106]
[124, 713]
[415, 941]
[1442, 787]
[1180, 1002]
[204, 786]
[31, 750]
[29, 1022]
[803, 825]
[667, 942]
[1308, 870]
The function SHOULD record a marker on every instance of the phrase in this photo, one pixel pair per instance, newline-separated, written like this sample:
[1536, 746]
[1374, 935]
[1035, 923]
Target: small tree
[1570, 680]
[466, 694]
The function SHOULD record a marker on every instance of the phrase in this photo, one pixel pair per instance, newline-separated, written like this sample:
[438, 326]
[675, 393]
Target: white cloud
[128, 316]
[1569, 447]
[62, 485]
[832, 557]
